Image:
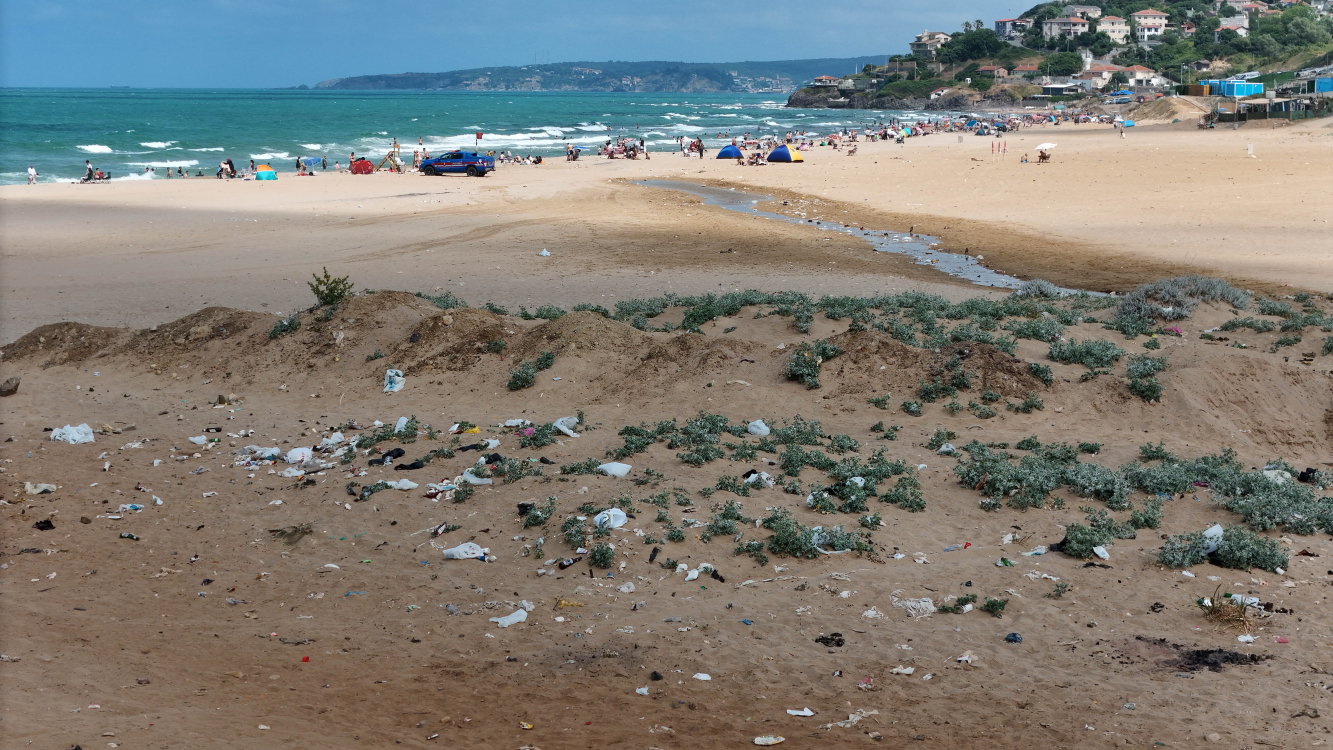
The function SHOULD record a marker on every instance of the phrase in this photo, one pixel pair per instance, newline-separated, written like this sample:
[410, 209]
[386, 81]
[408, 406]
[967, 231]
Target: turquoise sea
[124, 131]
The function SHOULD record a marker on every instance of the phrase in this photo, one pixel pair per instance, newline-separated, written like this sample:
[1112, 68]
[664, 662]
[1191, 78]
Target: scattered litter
[853, 719]
[702, 676]
[802, 712]
[567, 425]
[1245, 638]
[73, 435]
[966, 658]
[902, 670]
[923, 607]
[466, 551]
[757, 428]
[518, 616]
[1041, 550]
[612, 518]
[1013, 638]
[199, 440]
[641, 691]
[1101, 552]
[769, 739]
[615, 469]
[393, 381]
[30, 488]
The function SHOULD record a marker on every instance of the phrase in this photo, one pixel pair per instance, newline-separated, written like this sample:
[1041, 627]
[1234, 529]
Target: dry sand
[107, 635]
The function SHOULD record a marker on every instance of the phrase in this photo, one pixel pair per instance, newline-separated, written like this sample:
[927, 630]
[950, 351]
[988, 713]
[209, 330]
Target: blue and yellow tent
[730, 152]
[782, 153]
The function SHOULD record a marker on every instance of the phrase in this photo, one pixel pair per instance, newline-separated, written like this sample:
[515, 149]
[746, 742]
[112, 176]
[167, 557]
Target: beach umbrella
[730, 152]
[970, 123]
[1045, 147]
[784, 154]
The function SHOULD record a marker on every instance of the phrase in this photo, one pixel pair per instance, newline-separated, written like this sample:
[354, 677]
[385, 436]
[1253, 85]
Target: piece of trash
[393, 381]
[802, 712]
[466, 551]
[1245, 638]
[518, 616]
[1004, 562]
[966, 658]
[902, 670]
[470, 478]
[73, 435]
[947, 450]
[1101, 552]
[702, 676]
[757, 428]
[544, 253]
[769, 739]
[29, 488]
[1013, 638]
[615, 469]
[612, 518]
[1041, 550]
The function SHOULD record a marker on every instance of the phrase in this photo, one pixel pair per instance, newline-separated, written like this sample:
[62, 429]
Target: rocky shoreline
[830, 99]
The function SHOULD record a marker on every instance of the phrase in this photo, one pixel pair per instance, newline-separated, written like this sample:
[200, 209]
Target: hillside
[648, 76]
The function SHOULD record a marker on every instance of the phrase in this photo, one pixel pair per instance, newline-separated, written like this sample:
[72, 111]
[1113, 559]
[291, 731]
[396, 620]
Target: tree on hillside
[971, 45]
[1062, 64]
[1228, 11]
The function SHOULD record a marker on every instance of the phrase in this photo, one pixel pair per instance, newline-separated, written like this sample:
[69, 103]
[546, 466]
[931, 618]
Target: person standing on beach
[252, 166]
[32, 175]
[569, 152]
[88, 176]
[700, 142]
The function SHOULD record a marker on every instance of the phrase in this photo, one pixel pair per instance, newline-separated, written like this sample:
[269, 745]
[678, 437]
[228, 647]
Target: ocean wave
[312, 146]
[164, 164]
[217, 148]
[156, 144]
[94, 149]
[271, 155]
[134, 176]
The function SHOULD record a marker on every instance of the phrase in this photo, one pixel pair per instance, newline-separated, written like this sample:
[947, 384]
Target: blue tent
[730, 152]
[1128, 123]
[784, 154]
[970, 123]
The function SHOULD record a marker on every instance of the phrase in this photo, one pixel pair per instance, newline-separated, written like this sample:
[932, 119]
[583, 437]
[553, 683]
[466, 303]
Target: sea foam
[95, 149]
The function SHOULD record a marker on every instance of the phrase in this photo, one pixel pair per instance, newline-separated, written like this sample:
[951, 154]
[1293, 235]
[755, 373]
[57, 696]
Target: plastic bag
[333, 439]
[611, 518]
[299, 455]
[511, 619]
[200, 440]
[73, 435]
[470, 478]
[757, 428]
[398, 427]
[615, 469]
[393, 381]
[567, 425]
[403, 484]
[466, 551]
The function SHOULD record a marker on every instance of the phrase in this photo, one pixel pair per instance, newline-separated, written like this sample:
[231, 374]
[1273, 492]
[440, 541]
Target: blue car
[469, 163]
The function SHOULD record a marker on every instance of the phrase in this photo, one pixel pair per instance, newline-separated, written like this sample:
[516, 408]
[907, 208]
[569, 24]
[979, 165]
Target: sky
[273, 43]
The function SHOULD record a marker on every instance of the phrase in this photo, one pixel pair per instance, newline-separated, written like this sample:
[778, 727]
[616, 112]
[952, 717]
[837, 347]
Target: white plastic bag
[567, 425]
[403, 484]
[291, 472]
[1213, 536]
[333, 439]
[400, 425]
[470, 478]
[611, 518]
[518, 616]
[757, 428]
[615, 469]
[200, 440]
[393, 381]
[299, 455]
[73, 435]
[466, 551]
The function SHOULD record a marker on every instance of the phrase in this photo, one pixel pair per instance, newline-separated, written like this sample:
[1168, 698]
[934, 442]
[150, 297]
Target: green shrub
[329, 290]
[539, 516]
[1030, 443]
[990, 397]
[1254, 324]
[523, 376]
[906, 494]
[1152, 343]
[882, 402]
[446, 301]
[1042, 373]
[912, 407]
[1090, 354]
[1147, 389]
[376, 355]
[1090, 448]
[1029, 404]
[1328, 346]
[1149, 516]
[940, 437]
[542, 436]
[1284, 341]
[544, 361]
[1079, 540]
[1241, 549]
[602, 555]
[1038, 330]
[1145, 366]
[935, 390]
[981, 412]
[755, 549]
[956, 606]
[285, 326]
[807, 359]
[994, 606]
[1150, 452]
[496, 346]
[585, 467]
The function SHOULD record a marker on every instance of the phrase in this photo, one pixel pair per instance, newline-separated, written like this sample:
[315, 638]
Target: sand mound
[581, 331]
[454, 340]
[60, 343]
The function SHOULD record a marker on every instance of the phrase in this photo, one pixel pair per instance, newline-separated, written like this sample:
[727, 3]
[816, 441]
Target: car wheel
[471, 171]
[428, 171]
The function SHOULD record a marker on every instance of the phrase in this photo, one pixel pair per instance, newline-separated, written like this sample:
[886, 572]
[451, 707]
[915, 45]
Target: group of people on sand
[620, 148]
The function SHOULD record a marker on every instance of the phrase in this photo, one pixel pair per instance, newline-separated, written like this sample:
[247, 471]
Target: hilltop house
[1187, 30]
[928, 43]
[825, 82]
[1239, 24]
[992, 71]
[1115, 27]
[1150, 24]
[1012, 28]
[1082, 11]
[1055, 27]
[1026, 69]
[1141, 76]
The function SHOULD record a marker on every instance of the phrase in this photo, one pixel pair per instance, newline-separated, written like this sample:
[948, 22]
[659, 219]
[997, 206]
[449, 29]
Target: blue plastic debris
[359, 593]
[1013, 638]
[748, 622]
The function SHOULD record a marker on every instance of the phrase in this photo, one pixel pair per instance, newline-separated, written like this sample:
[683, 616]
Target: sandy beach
[133, 307]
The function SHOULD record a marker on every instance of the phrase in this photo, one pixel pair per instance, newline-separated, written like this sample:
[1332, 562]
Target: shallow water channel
[915, 246]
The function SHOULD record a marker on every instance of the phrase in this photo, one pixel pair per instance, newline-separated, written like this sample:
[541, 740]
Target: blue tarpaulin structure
[730, 151]
[785, 154]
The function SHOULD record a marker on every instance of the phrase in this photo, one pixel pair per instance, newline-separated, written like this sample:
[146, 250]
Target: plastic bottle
[128, 535]
[568, 561]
